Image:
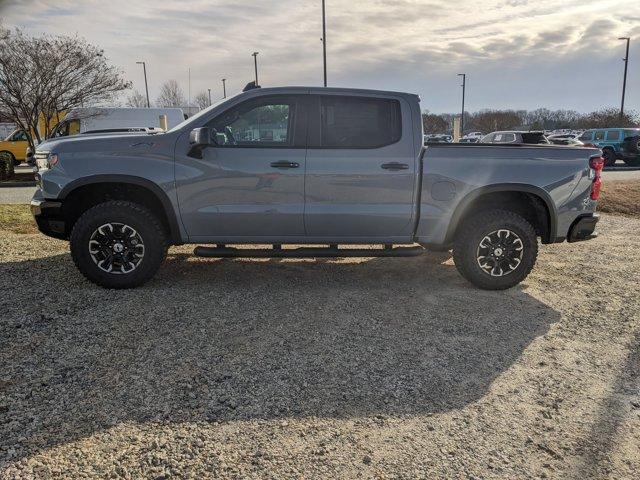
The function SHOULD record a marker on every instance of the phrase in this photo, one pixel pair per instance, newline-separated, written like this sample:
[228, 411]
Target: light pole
[324, 42]
[624, 81]
[464, 87]
[209, 90]
[255, 63]
[224, 88]
[146, 86]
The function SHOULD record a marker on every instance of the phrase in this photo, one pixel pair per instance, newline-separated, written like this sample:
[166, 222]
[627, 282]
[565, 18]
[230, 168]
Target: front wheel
[495, 249]
[609, 157]
[118, 244]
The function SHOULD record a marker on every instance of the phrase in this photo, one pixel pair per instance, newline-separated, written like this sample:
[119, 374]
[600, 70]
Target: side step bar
[306, 252]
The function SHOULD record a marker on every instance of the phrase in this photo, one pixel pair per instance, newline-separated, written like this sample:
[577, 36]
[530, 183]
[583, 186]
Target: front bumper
[583, 228]
[48, 216]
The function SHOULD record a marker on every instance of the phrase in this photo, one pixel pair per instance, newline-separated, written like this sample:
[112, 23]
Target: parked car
[470, 140]
[512, 136]
[477, 135]
[565, 139]
[610, 140]
[15, 145]
[438, 138]
[349, 169]
[114, 120]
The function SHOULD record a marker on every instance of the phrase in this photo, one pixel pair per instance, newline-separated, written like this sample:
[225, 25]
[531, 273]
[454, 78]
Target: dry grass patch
[621, 197]
[17, 219]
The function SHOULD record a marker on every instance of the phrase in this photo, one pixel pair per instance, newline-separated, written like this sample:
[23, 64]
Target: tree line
[540, 119]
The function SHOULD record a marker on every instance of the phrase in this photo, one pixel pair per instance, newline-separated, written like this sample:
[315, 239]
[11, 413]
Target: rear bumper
[48, 216]
[583, 228]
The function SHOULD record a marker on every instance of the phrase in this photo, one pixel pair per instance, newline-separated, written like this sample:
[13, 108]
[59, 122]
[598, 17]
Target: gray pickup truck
[339, 168]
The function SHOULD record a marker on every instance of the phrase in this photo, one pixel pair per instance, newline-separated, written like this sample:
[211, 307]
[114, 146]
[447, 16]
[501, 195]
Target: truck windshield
[201, 113]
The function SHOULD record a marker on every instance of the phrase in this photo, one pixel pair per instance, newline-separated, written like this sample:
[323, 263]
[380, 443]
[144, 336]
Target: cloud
[408, 45]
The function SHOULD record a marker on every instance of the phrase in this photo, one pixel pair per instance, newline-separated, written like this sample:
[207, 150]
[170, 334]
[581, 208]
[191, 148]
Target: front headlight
[52, 160]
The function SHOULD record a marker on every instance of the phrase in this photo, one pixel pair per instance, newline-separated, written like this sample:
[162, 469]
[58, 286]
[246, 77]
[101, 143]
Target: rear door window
[504, 138]
[359, 122]
[613, 135]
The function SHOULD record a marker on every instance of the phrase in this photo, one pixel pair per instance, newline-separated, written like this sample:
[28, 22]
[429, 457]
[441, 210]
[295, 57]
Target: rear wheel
[495, 249]
[609, 157]
[118, 244]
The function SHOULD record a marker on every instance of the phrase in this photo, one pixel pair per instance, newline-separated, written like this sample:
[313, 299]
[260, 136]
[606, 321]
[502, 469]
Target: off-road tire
[471, 234]
[13, 159]
[609, 157]
[146, 224]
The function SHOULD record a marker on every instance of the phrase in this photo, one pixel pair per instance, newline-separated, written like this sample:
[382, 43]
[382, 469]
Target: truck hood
[98, 142]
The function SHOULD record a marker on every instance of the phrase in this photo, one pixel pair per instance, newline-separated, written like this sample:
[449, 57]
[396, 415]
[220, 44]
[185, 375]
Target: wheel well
[84, 197]
[529, 205]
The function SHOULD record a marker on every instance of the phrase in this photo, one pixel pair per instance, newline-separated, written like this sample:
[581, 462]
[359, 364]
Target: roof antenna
[251, 86]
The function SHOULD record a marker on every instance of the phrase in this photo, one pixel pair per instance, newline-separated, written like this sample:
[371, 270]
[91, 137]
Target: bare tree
[202, 100]
[171, 95]
[136, 100]
[492, 120]
[609, 117]
[43, 76]
[435, 123]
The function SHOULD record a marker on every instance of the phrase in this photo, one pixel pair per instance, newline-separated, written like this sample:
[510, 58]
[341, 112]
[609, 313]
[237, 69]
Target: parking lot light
[624, 80]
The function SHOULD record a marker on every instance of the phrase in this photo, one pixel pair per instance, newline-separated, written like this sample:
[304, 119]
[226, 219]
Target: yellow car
[15, 145]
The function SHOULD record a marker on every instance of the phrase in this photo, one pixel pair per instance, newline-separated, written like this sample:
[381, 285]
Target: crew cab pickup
[294, 167]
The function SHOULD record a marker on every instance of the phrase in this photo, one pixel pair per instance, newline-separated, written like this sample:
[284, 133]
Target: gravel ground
[375, 368]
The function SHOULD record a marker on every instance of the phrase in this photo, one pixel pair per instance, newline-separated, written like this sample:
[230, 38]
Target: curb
[17, 184]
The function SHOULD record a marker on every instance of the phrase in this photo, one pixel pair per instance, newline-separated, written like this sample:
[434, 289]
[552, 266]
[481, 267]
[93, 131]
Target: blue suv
[613, 144]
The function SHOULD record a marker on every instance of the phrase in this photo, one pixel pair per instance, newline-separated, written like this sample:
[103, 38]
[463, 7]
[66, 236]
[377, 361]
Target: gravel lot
[378, 368]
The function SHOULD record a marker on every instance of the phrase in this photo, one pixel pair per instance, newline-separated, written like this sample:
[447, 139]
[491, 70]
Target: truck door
[250, 184]
[361, 168]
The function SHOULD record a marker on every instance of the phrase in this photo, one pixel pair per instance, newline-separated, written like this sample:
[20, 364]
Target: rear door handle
[284, 164]
[395, 166]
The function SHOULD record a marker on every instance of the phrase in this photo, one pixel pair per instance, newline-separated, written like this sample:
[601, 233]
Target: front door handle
[394, 166]
[284, 164]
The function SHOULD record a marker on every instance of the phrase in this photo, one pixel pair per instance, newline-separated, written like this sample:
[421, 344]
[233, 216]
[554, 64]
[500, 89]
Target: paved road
[621, 175]
[16, 195]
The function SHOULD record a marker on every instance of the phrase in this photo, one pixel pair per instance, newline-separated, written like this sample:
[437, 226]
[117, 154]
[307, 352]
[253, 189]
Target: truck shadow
[211, 340]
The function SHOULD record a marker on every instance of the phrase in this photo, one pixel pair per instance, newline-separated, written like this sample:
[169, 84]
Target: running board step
[306, 252]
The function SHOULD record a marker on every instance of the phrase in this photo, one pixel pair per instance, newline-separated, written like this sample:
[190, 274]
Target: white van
[115, 120]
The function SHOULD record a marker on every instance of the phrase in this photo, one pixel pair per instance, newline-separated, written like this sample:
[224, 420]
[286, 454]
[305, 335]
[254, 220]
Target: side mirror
[199, 139]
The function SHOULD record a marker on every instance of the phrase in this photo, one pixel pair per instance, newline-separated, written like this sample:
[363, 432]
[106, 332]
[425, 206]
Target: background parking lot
[377, 367]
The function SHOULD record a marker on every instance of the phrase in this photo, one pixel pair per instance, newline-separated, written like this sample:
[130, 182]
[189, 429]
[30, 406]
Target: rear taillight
[597, 164]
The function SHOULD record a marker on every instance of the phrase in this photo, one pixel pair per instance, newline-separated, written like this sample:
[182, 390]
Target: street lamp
[324, 42]
[146, 86]
[464, 86]
[255, 62]
[224, 88]
[624, 81]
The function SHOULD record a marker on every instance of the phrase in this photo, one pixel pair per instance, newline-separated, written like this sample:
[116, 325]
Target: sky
[518, 54]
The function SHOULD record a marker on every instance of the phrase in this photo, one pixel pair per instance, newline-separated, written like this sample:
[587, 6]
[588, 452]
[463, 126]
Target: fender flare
[473, 195]
[154, 188]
